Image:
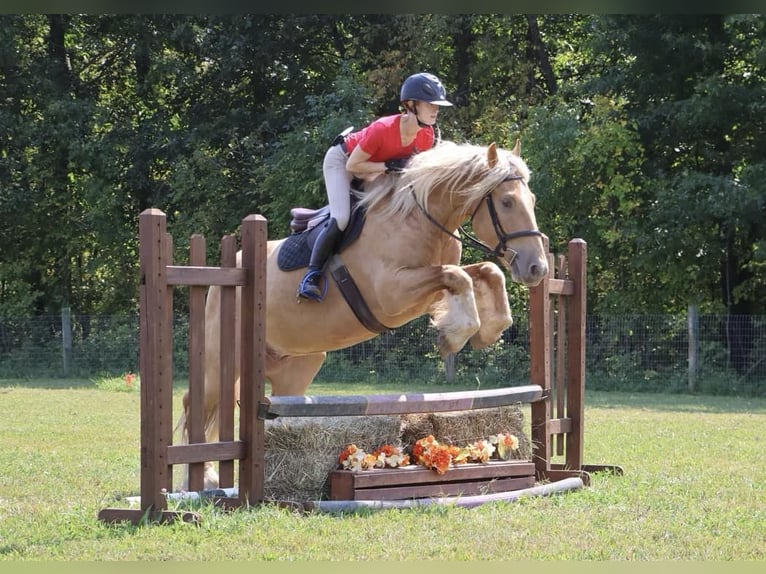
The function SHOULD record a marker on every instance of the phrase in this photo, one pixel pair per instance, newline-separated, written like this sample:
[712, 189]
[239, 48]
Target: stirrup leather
[309, 288]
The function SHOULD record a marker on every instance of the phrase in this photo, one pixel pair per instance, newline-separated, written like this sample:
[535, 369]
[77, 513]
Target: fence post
[693, 323]
[66, 338]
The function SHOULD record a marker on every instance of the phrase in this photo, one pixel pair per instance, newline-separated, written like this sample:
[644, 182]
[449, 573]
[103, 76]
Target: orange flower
[505, 443]
[430, 453]
[347, 452]
[441, 460]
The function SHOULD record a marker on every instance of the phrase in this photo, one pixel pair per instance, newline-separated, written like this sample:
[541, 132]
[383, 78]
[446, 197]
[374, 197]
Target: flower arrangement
[430, 453]
[387, 456]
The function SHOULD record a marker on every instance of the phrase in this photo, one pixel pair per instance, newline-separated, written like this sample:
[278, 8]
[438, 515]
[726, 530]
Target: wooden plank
[195, 419]
[393, 404]
[412, 481]
[252, 473]
[201, 452]
[560, 426]
[437, 490]
[420, 475]
[227, 358]
[560, 287]
[193, 275]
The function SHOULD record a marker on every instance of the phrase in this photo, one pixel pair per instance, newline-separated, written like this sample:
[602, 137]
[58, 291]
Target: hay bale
[464, 427]
[301, 452]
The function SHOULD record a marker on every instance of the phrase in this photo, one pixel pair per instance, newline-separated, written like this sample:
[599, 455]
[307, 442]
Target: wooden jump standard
[158, 278]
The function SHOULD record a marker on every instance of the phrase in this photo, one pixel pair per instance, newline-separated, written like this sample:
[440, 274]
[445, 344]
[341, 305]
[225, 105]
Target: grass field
[694, 489]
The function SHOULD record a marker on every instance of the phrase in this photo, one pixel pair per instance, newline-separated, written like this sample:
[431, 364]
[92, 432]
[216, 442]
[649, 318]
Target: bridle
[469, 240]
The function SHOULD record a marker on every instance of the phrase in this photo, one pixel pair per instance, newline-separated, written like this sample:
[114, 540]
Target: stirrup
[309, 289]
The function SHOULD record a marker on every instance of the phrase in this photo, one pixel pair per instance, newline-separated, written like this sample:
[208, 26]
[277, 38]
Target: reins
[469, 240]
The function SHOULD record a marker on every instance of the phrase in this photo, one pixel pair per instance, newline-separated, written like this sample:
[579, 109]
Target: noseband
[469, 240]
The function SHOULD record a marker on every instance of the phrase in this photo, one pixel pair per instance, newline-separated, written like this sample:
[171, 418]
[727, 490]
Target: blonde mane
[460, 169]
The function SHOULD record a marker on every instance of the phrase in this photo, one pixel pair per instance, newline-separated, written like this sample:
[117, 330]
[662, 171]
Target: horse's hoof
[448, 346]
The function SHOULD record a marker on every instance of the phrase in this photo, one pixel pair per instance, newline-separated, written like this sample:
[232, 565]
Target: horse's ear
[492, 155]
[517, 148]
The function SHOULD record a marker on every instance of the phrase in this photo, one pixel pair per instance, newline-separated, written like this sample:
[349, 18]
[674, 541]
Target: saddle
[305, 224]
[295, 253]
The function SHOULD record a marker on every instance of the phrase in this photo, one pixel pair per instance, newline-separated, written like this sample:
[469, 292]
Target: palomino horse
[406, 263]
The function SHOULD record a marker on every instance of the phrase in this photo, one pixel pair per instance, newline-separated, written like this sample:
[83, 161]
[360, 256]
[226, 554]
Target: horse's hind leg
[292, 374]
[491, 303]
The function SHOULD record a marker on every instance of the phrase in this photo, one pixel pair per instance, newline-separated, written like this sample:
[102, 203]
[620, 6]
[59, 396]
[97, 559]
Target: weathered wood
[560, 287]
[420, 474]
[540, 366]
[252, 430]
[416, 481]
[577, 257]
[206, 451]
[190, 275]
[228, 355]
[560, 426]
[155, 358]
[196, 416]
[418, 490]
[561, 353]
[393, 404]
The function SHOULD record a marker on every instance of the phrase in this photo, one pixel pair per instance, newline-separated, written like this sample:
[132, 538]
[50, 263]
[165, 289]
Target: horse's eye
[508, 202]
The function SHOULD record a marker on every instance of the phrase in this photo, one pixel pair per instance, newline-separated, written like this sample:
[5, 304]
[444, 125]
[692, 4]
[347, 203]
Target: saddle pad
[295, 251]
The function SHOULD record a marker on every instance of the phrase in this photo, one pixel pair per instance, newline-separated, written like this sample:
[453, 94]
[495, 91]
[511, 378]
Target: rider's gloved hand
[395, 165]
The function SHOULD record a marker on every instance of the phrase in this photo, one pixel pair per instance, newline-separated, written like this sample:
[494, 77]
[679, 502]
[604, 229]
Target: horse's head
[505, 218]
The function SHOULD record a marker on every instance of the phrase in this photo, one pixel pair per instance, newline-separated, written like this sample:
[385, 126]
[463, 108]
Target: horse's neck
[449, 212]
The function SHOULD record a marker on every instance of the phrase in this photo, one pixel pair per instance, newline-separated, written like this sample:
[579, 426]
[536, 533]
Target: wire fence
[715, 354]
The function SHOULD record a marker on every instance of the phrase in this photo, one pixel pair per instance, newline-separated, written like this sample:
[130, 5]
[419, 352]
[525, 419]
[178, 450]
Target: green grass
[694, 489]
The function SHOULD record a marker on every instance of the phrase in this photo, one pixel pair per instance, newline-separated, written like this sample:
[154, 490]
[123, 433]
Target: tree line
[644, 133]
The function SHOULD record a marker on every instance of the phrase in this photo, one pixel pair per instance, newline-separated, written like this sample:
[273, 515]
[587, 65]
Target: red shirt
[383, 141]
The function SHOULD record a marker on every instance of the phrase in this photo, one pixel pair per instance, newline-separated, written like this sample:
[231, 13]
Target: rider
[384, 146]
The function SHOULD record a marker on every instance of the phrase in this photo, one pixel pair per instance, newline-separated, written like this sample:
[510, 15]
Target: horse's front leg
[453, 313]
[491, 302]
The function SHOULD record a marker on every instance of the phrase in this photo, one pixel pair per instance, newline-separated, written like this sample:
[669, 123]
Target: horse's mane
[458, 168]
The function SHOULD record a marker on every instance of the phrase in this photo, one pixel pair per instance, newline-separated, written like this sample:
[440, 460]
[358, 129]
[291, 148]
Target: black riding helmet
[424, 87]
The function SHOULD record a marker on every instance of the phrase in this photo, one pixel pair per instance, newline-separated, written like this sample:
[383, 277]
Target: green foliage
[645, 134]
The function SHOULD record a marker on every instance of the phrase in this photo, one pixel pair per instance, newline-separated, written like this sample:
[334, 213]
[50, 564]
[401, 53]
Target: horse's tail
[211, 435]
[210, 426]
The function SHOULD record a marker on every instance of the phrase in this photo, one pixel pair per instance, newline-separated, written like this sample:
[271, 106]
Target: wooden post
[693, 325]
[156, 303]
[540, 369]
[577, 257]
[252, 467]
[196, 416]
[66, 338]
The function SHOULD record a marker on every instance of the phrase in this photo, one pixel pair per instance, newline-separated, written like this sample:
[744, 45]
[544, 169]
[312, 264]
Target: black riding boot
[311, 284]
